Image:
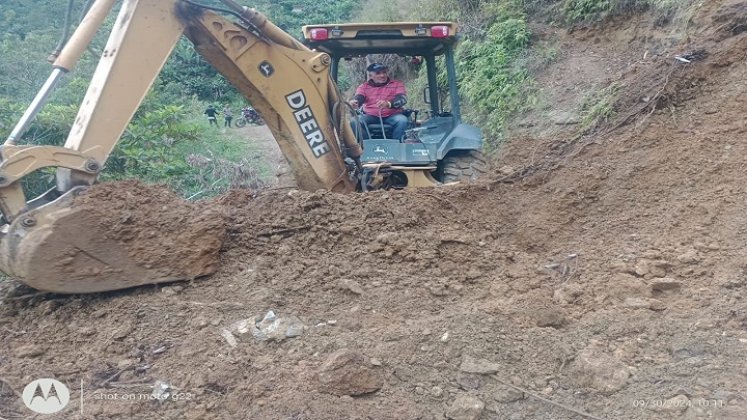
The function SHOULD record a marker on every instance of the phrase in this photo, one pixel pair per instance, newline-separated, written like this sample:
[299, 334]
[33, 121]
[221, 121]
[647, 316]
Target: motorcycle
[249, 115]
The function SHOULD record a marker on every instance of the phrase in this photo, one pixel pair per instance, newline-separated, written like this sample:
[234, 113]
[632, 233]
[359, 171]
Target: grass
[599, 107]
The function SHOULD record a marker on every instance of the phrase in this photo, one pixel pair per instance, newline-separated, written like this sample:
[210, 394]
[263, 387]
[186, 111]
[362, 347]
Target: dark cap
[376, 67]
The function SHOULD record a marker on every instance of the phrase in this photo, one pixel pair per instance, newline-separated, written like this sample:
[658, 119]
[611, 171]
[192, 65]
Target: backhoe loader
[51, 245]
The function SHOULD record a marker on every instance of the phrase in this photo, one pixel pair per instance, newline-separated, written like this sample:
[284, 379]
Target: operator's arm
[358, 100]
[400, 96]
[359, 97]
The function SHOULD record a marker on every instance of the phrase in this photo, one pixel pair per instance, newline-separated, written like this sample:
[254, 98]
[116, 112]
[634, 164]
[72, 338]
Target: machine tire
[241, 122]
[464, 166]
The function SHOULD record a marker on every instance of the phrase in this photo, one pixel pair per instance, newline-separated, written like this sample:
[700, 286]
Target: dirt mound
[600, 276]
[158, 230]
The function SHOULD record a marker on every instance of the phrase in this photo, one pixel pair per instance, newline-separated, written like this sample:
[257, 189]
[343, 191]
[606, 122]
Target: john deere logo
[46, 396]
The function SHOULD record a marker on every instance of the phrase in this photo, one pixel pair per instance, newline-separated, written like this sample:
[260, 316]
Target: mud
[598, 276]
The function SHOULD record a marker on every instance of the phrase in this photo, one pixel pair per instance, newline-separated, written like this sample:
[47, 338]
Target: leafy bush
[490, 76]
[585, 10]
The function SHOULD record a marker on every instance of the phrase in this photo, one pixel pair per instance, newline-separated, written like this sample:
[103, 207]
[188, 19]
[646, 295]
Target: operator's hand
[353, 103]
[383, 104]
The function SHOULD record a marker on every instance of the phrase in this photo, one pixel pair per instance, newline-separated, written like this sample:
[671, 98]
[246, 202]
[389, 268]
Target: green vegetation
[492, 75]
[576, 11]
[599, 107]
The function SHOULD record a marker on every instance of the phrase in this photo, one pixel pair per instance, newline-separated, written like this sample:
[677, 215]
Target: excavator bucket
[112, 236]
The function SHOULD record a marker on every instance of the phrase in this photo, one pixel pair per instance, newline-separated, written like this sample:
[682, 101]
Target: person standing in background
[227, 116]
[211, 113]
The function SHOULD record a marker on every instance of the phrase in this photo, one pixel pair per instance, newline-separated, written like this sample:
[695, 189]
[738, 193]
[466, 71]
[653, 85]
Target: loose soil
[599, 276]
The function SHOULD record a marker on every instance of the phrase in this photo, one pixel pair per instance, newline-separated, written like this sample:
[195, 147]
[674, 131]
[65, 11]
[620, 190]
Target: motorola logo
[46, 396]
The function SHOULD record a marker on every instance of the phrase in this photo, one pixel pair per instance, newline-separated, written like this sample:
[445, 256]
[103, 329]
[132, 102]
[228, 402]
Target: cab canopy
[402, 38]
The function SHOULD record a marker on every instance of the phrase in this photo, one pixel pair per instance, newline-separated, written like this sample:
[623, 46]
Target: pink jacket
[373, 93]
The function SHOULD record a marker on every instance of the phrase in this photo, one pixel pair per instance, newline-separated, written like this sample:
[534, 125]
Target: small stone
[437, 392]
[506, 395]
[644, 303]
[123, 331]
[469, 382]
[689, 257]
[445, 337]
[87, 331]
[344, 373]
[375, 362]
[479, 366]
[665, 285]
[642, 268]
[465, 407]
[169, 291]
[230, 339]
[550, 318]
[199, 322]
[351, 286]
[594, 368]
[30, 350]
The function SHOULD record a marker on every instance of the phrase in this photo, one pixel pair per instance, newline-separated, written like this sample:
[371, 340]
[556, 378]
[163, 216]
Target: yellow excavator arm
[286, 82]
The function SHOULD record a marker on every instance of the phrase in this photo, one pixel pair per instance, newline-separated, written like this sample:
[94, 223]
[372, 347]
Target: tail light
[319, 34]
[440, 31]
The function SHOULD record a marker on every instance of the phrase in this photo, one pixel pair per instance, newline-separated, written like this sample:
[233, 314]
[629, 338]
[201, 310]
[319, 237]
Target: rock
[550, 318]
[665, 285]
[123, 331]
[169, 291]
[506, 395]
[644, 303]
[199, 323]
[689, 257]
[673, 405]
[437, 392]
[230, 339]
[465, 407]
[30, 350]
[568, 293]
[278, 329]
[479, 366]
[506, 170]
[375, 362]
[596, 369]
[624, 286]
[344, 373]
[641, 268]
[351, 286]
[469, 382]
[87, 331]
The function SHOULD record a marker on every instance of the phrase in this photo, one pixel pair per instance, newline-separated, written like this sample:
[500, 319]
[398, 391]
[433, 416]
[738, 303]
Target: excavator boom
[52, 244]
